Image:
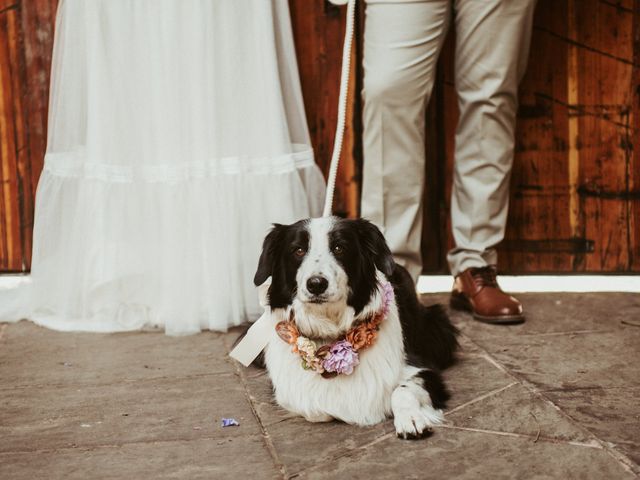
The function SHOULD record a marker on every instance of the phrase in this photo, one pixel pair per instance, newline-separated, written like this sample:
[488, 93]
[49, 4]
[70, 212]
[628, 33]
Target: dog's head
[323, 262]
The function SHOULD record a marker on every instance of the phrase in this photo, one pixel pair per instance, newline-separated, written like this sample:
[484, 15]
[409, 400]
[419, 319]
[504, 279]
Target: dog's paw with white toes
[416, 424]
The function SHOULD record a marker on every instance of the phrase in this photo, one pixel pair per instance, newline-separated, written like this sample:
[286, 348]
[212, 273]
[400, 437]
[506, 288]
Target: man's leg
[402, 42]
[492, 47]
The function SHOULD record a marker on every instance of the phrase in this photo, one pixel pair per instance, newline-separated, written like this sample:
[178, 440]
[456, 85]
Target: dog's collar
[341, 356]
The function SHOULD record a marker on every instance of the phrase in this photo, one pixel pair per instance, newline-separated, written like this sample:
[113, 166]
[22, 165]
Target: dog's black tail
[430, 339]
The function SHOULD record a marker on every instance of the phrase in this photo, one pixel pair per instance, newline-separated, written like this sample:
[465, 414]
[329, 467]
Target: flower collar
[341, 356]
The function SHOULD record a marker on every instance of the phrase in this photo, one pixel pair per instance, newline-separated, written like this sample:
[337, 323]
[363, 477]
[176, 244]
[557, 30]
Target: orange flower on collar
[288, 332]
[362, 336]
[341, 356]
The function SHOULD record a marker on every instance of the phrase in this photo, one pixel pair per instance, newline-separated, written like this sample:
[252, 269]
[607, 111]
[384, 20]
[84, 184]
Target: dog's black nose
[317, 284]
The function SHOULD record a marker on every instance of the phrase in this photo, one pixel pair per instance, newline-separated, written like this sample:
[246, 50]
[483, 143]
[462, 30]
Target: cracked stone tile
[607, 359]
[261, 392]
[154, 410]
[462, 454]
[207, 458]
[301, 444]
[471, 377]
[612, 414]
[517, 410]
[33, 355]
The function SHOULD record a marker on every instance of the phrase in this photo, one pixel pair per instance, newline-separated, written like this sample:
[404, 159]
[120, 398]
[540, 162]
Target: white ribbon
[258, 334]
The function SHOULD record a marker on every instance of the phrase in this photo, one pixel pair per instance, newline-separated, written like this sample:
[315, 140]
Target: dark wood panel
[318, 28]
[539, 224]
[634, 176]
[574, 203]
[38, 23]
[13, 141]
[605, 152]
[26, 41]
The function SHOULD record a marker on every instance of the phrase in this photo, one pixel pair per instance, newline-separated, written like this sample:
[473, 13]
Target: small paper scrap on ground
[230, 422]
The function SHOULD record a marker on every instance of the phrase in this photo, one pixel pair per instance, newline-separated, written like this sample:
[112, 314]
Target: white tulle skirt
[177, 135]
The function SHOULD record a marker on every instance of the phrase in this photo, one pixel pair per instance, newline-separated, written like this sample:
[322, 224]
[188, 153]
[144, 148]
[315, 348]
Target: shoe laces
[485, 276]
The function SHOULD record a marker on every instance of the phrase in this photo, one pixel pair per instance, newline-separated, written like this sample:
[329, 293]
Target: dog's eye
[299, 252]
[338, 250]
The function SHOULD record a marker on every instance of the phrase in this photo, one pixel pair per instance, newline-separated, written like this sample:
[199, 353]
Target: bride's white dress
[177, 135]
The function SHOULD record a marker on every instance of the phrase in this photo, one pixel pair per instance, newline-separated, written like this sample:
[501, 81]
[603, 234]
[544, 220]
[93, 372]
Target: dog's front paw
[415, 424]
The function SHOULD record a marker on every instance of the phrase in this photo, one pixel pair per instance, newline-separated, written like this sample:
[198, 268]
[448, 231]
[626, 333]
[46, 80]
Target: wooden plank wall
[26, 36]
[575, 203]
[575, 196]
[318, 29]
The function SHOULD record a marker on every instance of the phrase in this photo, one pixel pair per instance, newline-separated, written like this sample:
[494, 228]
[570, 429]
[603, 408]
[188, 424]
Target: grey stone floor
[557, 397]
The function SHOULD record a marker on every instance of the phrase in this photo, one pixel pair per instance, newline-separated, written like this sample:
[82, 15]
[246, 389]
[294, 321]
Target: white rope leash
[257, 336]
[342, 108]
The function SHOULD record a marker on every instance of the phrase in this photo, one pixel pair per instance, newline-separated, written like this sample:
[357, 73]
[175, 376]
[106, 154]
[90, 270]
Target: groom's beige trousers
[402, 42]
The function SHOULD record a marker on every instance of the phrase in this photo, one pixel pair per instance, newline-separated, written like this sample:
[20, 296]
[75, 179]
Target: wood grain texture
[633, 175]
[574, 204]
[318, 29]
[12, 144]
[578, 139]
[26, 42]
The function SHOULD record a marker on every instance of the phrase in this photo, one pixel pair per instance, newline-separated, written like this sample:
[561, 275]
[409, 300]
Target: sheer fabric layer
[176, 137]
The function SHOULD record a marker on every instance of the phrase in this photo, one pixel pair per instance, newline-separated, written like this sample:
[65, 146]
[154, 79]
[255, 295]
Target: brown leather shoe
[476, 290]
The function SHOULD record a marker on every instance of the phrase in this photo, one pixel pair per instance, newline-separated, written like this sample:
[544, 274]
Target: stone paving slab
[83, 358]
[612, 414]
[573, 361]
[206, 458]
[128, 412]
[464, 454]
[553, 398]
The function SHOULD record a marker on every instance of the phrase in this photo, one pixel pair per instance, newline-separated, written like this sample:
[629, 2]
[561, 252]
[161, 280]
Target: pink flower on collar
[341, 358]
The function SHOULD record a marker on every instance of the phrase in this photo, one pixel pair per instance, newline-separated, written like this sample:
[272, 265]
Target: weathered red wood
[37, 23]
[634, 173]
[12, 139]
[26, 40]
[605, 129]
[543, 233]
[318, 29]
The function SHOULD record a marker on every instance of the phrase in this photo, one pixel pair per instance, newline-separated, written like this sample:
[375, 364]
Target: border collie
[329, 275]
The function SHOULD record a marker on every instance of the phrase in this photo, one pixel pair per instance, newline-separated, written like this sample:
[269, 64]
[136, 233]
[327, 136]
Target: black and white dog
[328, 274]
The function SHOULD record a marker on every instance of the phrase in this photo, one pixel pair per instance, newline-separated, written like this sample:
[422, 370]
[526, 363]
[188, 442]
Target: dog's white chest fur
[362, 398]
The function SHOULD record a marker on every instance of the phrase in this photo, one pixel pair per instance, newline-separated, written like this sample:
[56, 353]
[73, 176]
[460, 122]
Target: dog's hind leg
[412, 405]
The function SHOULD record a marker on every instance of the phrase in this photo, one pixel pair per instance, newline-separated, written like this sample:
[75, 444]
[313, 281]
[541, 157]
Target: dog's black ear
[269, 254]
[373, 241]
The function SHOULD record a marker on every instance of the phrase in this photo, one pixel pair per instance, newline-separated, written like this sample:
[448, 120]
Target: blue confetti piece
[230, 422]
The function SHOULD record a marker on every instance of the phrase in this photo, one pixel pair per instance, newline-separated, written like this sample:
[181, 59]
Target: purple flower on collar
[388, 296]
[341, 358]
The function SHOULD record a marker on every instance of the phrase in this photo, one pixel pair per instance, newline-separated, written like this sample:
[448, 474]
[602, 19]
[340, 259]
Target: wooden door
[575, 197]
[26, 39]
[575, 187]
